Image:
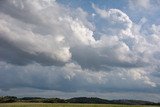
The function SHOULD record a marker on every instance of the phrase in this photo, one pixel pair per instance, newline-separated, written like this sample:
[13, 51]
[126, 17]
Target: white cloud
[115, 19]
[36, 32]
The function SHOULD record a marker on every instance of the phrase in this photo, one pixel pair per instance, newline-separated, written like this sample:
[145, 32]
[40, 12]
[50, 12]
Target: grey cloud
[35, 40]
[53, 42]
[91, 58]
[72, 78]
[14, 55]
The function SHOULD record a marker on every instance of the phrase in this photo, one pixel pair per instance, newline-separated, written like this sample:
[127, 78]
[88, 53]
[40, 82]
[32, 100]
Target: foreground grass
[65, 105]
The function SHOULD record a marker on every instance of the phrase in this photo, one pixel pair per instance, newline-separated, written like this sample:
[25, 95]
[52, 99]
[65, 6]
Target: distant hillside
[104, 101]
[132, 102]
[90, 100]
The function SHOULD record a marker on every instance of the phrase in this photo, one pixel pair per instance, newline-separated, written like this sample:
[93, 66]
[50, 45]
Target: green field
[65, 105]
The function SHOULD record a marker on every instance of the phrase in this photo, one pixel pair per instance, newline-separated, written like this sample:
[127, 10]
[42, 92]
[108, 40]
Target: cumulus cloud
[27, 34]
[45, 45]
[49, 41]
[35, 33]
[116, 48]
[72, 78]
[115, 21]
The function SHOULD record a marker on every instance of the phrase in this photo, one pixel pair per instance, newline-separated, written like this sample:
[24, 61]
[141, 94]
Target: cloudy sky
[94, 48]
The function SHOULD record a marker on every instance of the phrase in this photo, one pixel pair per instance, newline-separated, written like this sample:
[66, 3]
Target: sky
[72, 48]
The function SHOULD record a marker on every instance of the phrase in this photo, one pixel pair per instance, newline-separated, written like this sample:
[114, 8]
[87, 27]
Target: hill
[89, 100]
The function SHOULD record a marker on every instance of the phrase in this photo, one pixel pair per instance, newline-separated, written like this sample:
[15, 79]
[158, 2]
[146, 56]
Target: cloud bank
[49, 46]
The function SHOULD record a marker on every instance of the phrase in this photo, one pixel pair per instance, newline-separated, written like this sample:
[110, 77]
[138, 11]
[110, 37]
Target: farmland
[66, 105]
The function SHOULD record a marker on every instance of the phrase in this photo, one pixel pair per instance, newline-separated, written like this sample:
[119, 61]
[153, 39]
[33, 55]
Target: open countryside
[11, 101]
[67, 105]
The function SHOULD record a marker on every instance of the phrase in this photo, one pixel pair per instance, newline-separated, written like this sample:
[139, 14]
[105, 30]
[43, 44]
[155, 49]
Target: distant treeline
[93, 100]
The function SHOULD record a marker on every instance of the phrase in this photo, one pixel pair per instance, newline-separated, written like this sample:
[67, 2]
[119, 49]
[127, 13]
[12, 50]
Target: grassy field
[66, 105]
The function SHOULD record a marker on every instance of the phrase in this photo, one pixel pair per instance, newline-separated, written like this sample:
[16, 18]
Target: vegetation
[92, 100]
[8, 99]
[65, 105]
